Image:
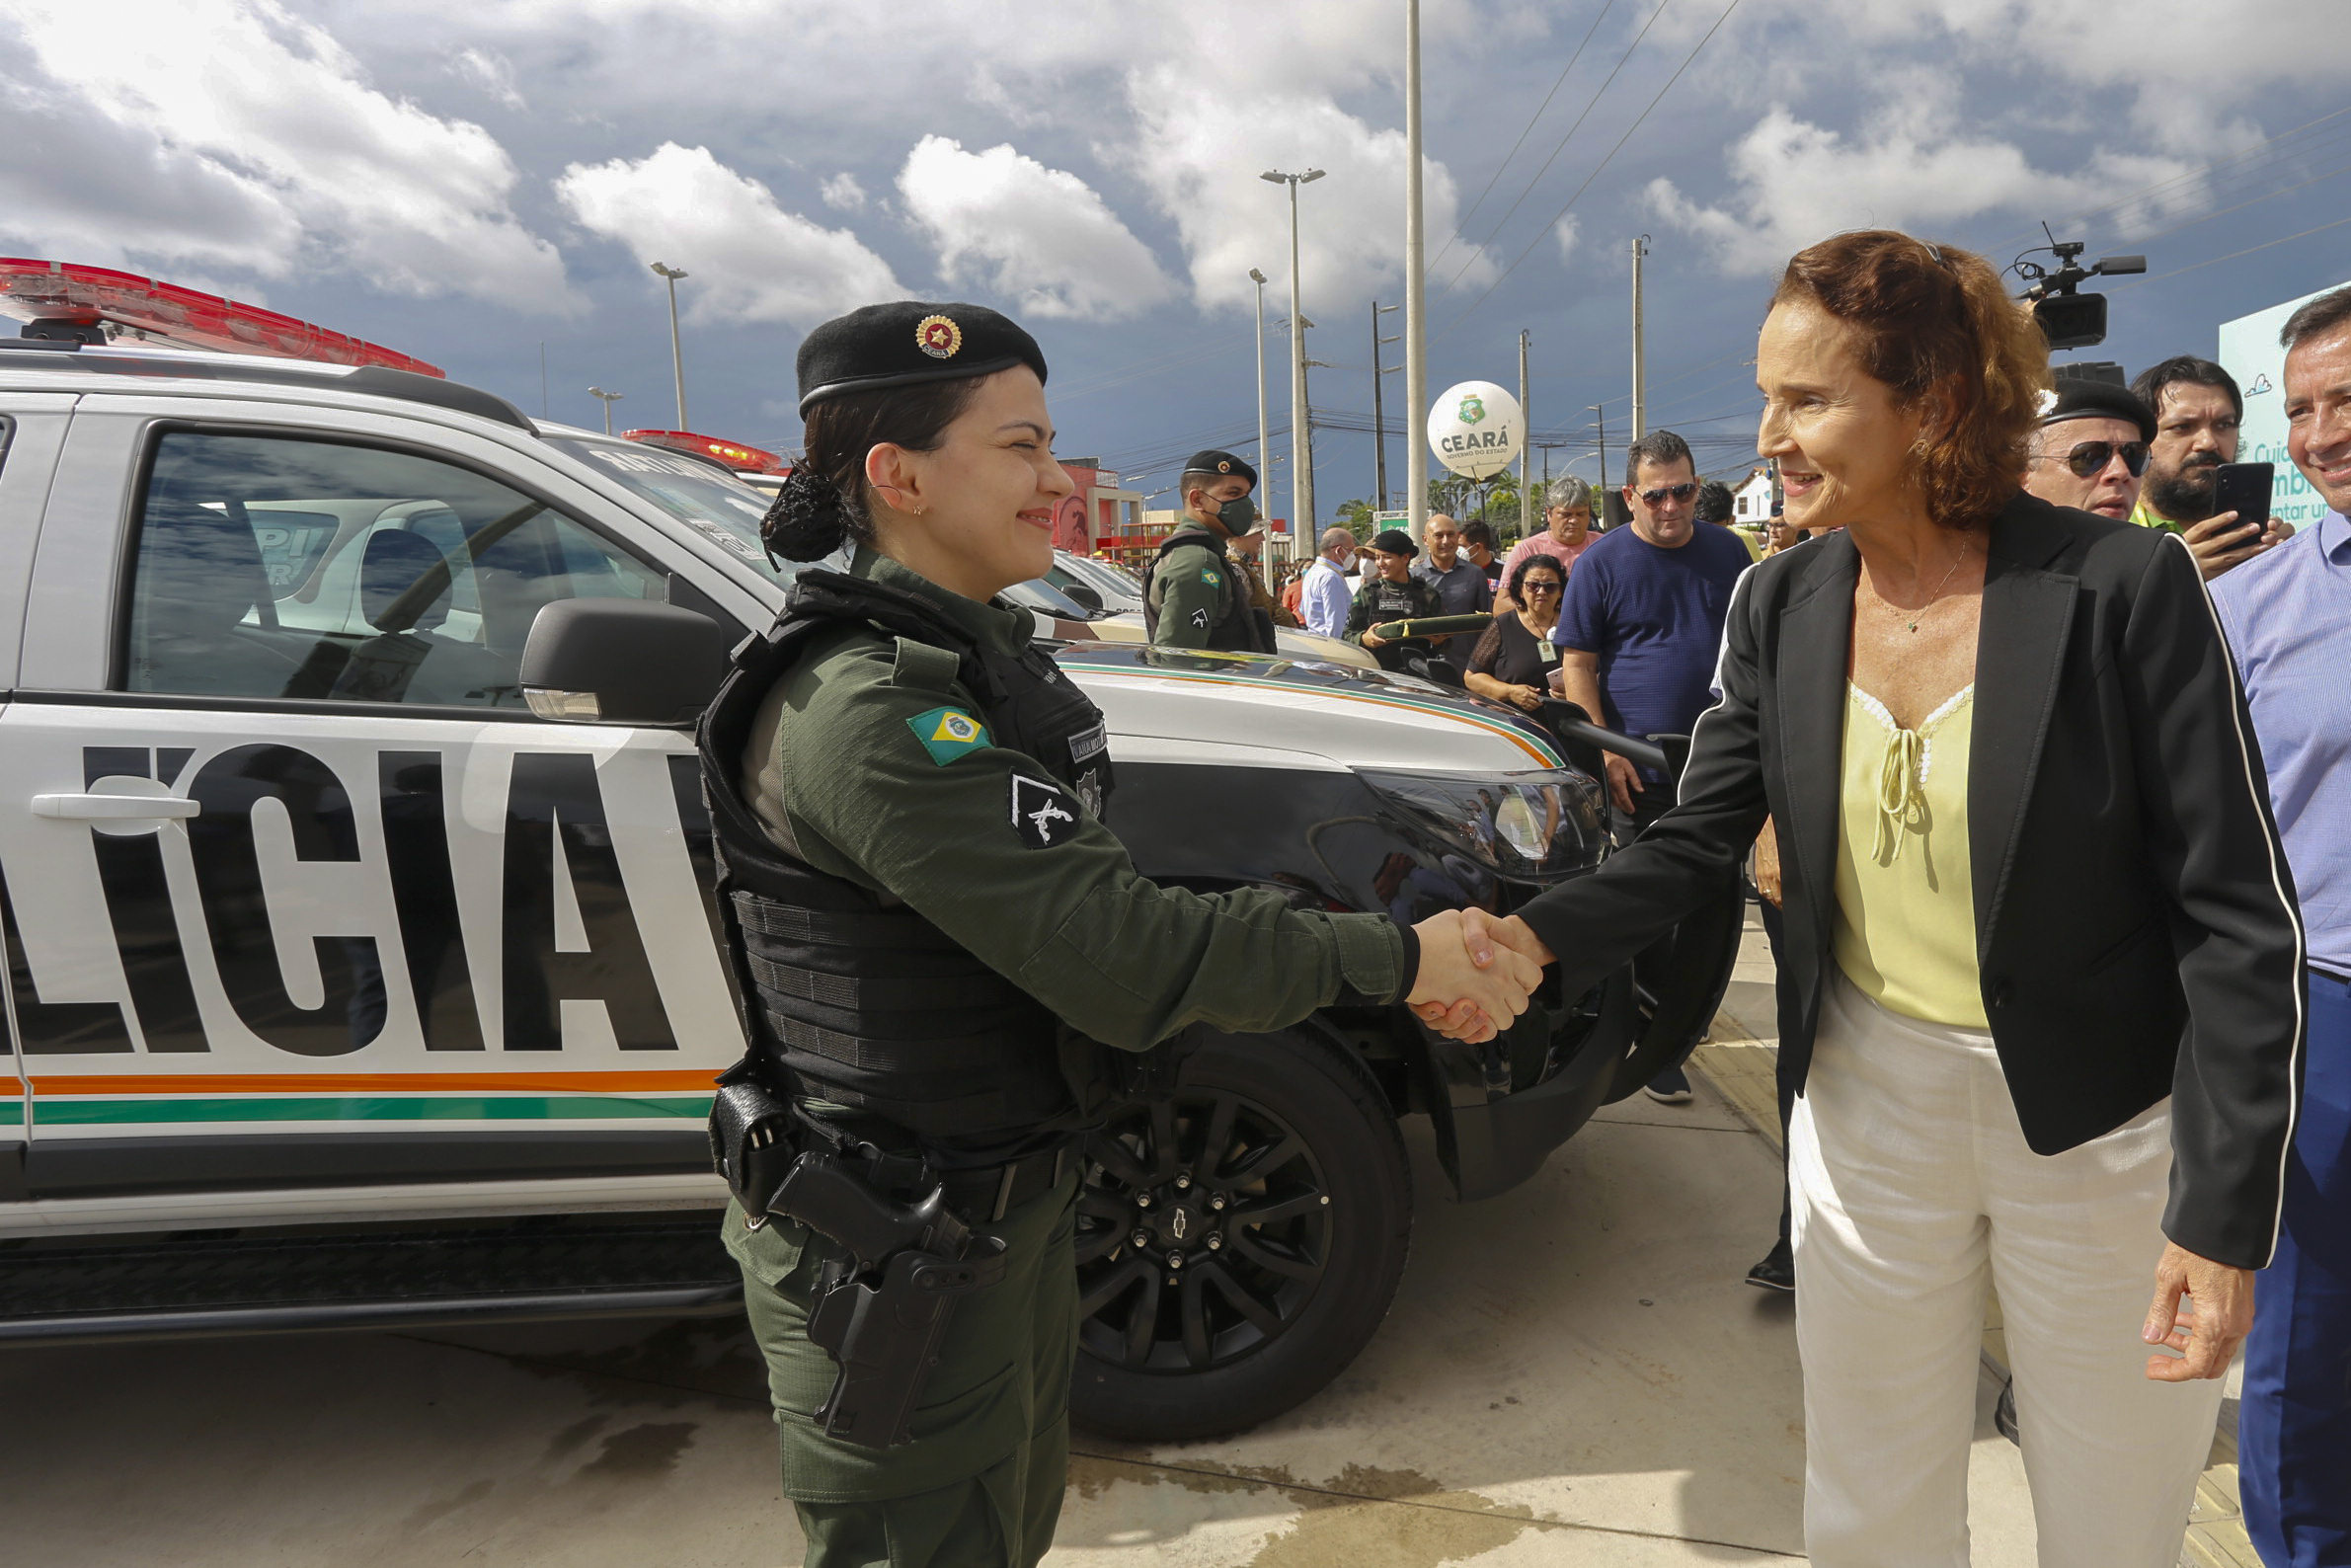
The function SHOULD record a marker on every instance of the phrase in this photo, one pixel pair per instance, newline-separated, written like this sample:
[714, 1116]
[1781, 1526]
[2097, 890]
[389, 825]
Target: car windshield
[1039, 595]
[706, 499]
[1117, 590]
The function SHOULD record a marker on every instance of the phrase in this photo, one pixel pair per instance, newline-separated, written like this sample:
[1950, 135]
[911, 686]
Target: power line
[1603, 164]
[2195, 267]
[1589, 106]
[1523, 135]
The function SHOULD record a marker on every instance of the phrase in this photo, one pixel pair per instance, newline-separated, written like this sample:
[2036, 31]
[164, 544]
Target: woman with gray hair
[1567, 528]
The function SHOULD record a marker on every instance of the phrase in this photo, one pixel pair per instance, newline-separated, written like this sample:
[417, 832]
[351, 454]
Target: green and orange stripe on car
[84, 1100]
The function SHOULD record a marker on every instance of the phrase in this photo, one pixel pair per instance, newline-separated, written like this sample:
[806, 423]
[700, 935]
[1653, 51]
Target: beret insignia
[1225, 466]
[938, 337]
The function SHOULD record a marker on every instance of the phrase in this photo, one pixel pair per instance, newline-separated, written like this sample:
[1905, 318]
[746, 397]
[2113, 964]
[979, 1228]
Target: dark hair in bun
[824, 499]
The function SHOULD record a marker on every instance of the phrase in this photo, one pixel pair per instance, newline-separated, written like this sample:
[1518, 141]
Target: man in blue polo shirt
[2287, 613]
[1640, 630]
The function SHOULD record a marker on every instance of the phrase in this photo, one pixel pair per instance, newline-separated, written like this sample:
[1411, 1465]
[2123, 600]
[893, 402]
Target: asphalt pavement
[1572, 1371]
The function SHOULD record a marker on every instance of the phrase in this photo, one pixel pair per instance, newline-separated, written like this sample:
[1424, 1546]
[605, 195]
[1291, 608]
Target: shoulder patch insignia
[1043, 814]
[948, 733]
[1208, 575]
[1199, 620]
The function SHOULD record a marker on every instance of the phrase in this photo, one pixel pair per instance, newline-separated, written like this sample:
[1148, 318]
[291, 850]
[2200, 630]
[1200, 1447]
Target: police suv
[359, 973]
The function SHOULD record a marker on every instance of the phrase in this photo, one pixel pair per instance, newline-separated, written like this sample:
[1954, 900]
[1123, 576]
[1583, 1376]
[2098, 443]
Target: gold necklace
[1938, 590]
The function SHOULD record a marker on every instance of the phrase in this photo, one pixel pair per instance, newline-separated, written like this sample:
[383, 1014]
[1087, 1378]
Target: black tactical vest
[862, 1001]
[1237, 628]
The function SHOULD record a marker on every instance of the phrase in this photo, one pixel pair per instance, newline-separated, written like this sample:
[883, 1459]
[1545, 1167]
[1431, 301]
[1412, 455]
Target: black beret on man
[908, 342]
[1221, 464]
[1394, 542]
[2097, 400]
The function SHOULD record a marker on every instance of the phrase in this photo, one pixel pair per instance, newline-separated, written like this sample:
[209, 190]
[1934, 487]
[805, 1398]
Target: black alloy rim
[1204, 1228]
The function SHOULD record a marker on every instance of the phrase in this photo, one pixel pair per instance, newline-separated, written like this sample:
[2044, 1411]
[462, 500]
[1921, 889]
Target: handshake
[1475, 973]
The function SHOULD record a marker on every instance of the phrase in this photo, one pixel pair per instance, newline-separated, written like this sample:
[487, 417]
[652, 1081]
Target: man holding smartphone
[2288, 619]
[2198, 410]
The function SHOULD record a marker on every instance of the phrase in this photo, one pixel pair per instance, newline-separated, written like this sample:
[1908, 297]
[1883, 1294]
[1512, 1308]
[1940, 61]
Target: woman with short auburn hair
[2041, 994]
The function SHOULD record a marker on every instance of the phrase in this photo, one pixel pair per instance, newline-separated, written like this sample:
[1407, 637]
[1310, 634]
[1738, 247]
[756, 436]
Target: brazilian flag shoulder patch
[948, 733]
[1207, 575]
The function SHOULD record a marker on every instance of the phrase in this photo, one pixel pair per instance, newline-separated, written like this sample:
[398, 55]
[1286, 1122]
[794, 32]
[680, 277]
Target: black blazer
[2136, 927]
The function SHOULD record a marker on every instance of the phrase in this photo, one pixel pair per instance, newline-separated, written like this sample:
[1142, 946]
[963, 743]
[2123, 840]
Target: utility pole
[1526, 426]
[1379, 404]
[1416, 285]
[1301, 467]
[1640, 374]
[677, 352]
[1264, 462]
[1600, 423]
[607, 399]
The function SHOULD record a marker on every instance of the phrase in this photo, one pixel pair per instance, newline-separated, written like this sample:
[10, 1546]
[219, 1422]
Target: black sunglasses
[1541, 586]
[2091, 456]
[1678, 492]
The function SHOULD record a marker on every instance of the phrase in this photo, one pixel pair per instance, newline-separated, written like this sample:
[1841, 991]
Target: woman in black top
[1513, 659]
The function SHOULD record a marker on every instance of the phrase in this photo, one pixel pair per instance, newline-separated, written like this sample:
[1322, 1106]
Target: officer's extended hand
[1469, 990]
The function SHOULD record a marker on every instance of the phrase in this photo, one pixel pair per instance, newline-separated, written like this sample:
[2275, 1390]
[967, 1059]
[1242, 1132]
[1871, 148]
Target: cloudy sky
[481, 183]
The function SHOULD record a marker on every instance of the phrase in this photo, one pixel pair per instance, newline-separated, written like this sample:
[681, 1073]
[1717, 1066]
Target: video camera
[2069, 319]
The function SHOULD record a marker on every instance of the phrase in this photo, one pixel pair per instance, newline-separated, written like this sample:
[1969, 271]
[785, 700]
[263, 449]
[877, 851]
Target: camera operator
[2091, 450]
[2198, 410]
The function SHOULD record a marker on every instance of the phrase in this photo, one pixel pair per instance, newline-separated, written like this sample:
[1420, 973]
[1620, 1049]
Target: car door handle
[102, 808]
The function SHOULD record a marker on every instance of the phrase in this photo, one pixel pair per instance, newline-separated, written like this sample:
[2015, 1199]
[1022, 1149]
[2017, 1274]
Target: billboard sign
[2249, 352]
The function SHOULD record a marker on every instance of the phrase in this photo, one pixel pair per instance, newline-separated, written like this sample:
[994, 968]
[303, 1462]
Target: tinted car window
[272, 567]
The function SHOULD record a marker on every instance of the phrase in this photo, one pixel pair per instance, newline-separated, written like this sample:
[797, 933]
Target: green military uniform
[871, 762]
[1198, 596]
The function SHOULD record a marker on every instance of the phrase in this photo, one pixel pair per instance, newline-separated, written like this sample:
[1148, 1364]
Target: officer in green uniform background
[946, 958]
[1198, 597]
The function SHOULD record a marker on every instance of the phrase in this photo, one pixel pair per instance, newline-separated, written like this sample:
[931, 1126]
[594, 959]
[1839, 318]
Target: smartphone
[2243, 488]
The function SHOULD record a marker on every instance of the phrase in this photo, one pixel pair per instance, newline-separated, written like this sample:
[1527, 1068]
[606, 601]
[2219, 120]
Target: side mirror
[600, 661]
[1086, 597]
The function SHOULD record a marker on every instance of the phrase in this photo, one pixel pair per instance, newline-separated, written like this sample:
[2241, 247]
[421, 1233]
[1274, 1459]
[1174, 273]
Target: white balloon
[1476, 429]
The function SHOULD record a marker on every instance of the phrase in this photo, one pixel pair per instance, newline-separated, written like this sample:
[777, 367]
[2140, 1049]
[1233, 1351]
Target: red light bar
[32, 291]
[750, 459]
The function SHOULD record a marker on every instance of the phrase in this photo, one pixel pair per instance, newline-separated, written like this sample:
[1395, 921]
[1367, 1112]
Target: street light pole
[1264, 467]
[607, 399]
[1640, 373]
[677, 352]
[1416, 285]
[1301, 469]
[1526, 425]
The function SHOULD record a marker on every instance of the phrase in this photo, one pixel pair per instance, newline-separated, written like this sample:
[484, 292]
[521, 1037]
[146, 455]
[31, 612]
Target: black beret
[907, 342]
[2097, 400]
[1219, 463]
[1394, 542]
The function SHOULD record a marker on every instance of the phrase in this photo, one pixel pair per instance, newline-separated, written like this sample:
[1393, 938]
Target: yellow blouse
[1906, 906]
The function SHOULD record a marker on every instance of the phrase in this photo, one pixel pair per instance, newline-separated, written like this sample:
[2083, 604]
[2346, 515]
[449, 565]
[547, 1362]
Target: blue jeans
[2294, 1427]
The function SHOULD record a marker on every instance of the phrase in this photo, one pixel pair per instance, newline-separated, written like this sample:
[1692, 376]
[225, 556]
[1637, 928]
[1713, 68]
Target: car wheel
[1238, 1240]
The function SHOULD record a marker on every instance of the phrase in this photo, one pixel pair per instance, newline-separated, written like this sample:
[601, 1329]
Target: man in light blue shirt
[2287, 614]
[1324, 599]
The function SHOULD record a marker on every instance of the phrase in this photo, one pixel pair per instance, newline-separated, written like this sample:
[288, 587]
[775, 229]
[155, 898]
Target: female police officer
[947, 960]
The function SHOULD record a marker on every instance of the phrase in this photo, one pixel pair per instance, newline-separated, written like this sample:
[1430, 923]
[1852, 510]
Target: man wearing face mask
[2197, 409]
[1323, 594]
[1198, 597]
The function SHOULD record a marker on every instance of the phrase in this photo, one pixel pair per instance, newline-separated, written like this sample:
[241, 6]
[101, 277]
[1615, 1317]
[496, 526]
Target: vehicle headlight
[1534, 827]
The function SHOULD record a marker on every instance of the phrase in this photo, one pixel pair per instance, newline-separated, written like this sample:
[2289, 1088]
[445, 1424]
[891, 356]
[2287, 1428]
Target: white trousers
[1913, 1189]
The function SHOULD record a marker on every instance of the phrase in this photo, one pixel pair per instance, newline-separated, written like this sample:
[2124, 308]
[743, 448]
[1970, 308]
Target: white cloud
[1567, 231]
[1036, 235]
[489, 71]
[270, 115]
[1202, 157]
[751, 261]
[842, 193]
[1910, 167]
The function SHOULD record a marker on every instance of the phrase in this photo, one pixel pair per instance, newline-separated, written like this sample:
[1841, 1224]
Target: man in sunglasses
[1640, 629]
[2091, 450]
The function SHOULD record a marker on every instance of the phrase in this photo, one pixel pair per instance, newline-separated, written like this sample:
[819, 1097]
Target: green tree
[1356, 518]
